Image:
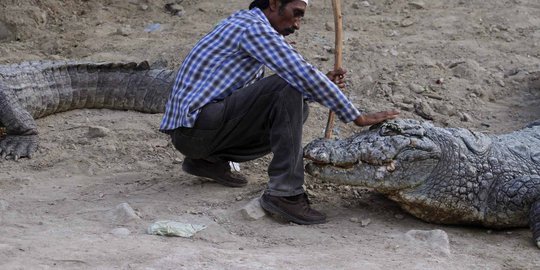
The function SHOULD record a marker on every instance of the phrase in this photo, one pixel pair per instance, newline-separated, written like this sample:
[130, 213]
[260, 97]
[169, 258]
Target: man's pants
[264, 117]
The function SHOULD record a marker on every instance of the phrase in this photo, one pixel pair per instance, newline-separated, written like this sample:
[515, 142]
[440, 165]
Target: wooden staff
[338, 25]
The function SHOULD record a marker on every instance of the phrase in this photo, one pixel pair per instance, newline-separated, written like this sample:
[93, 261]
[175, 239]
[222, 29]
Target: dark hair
[263, 4]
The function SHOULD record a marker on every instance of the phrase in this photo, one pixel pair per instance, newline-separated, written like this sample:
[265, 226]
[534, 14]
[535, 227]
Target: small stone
[253, 210]
[98, 132]
[177, 161]
[464, 117]
[124, 31]
[322, 58]
[417, 4]
[406, 22]
[123, 213]
[435, 240]
[3, 205]
[365, 222]
[121, 232]
[399, 216]
[239, 198]
[143, 7]
[6, 33]
[175, 9]
[353, 219]
[329, 26]
[366, 4]
[423, 109]
[418, 89]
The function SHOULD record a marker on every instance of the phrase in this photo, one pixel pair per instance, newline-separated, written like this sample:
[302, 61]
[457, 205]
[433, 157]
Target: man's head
[284, 15]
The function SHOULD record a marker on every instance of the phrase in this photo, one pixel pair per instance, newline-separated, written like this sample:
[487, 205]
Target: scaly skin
[441, 175]
[33, 90]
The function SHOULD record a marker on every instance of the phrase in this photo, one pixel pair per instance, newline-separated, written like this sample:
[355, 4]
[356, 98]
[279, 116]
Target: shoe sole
[276, 211]
[224, 183]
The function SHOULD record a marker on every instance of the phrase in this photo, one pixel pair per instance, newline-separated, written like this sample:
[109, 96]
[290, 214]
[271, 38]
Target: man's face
[286, 19]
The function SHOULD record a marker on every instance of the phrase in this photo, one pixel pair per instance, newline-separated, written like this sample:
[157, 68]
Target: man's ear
[274, 5]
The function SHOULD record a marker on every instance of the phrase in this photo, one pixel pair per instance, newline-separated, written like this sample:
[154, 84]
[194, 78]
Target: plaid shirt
[231, 56]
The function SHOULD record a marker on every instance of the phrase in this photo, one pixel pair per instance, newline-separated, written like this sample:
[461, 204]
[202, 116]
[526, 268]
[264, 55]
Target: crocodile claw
[18, 146]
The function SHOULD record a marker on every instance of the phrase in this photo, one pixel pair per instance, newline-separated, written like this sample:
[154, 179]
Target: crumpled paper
[173, 228]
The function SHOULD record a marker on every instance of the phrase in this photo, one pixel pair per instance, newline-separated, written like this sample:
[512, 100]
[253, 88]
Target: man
[214, 115]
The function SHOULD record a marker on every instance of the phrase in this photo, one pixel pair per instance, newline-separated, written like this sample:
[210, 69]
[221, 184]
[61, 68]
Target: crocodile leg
[21, 139]
[534, 222]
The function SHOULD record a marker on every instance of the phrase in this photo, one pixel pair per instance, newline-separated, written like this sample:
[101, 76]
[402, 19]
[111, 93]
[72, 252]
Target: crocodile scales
[33, 90]
[441, 175]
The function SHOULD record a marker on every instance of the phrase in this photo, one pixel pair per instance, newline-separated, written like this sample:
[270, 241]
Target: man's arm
[271, 49]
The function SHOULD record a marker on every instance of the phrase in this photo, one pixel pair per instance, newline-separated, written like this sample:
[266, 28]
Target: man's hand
[369, 119]
[338, 77]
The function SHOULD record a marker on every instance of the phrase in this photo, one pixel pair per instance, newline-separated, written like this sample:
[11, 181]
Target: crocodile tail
[48, 87]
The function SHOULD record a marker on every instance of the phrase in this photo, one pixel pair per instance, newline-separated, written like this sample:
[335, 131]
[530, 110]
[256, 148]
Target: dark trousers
[264, 117]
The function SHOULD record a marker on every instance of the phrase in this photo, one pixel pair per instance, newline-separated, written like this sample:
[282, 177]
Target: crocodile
[36, 89]
[441, 175]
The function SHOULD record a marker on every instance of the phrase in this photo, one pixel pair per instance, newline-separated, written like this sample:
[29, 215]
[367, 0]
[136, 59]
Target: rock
[253, 210]
[123, 213]
[175, 9]
[464, 117]
[407, 22]
[468, 69]
[445, 109]
[435, 240]
[3, 205]
[365, 222]
[423, 109]
[7, 33]
[124, 31]
[417, 4]
[329, 26]
[98, 132]
[121, 232]
[366, 4]
[416, 88]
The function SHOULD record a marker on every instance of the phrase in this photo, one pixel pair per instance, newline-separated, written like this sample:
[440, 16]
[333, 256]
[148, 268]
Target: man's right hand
[369, 119]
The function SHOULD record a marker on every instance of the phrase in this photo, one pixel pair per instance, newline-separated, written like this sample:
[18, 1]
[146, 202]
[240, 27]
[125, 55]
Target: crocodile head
[390, 157]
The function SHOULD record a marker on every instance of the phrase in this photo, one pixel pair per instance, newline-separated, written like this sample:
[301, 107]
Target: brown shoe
[219, 172]
[294, 208]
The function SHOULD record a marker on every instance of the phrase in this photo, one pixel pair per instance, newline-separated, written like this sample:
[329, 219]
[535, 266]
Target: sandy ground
[460, 63]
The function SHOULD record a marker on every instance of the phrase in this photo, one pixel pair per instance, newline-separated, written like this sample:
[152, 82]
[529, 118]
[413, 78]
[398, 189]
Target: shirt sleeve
[270, 48]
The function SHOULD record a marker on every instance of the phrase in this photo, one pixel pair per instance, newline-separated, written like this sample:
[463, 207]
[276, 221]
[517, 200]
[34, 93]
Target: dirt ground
[460, 63]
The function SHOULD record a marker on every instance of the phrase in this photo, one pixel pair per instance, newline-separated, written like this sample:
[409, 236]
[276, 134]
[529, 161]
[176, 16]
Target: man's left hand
[338, 77]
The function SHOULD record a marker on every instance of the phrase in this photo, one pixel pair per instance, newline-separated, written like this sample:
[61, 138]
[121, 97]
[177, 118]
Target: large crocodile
[32, 90]
[441, 175]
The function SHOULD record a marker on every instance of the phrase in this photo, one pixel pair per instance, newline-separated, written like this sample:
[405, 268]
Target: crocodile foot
[17, 146]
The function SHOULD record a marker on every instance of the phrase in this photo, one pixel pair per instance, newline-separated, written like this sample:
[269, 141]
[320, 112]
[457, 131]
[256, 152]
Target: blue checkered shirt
[231, 56]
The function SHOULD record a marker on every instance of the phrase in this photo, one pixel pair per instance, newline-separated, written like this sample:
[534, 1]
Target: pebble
[3, 205]
[464, 117]
[423, 109]
[417, 4]
[436, 240]
[365, 222]
[253, 210]
[121, 232]
[98, 132]
[416, 88]
[175, 9]
[5, 32]
[399, 216]
[406, 22]
[329, 26]
[123, 213]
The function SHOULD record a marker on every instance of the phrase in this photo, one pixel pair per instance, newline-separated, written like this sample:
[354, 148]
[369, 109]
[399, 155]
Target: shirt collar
[260, 15]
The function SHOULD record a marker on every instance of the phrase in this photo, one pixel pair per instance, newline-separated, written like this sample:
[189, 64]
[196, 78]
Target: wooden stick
[338, 25]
